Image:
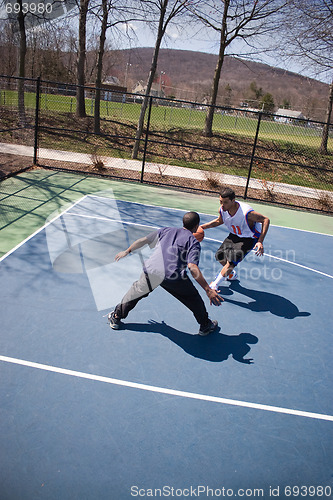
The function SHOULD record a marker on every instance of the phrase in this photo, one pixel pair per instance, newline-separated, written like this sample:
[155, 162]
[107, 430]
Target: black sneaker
[212, 325]
[113, 321]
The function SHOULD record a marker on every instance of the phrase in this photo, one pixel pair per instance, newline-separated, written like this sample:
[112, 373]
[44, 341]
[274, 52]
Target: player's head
[228, 193]
[191, 221]
[227, 199]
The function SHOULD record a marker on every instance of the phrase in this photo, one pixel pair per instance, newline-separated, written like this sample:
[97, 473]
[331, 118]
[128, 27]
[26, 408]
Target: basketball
[200, 234]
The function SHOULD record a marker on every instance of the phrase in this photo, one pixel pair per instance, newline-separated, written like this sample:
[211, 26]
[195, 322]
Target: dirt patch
[13, 164]
[209, 186]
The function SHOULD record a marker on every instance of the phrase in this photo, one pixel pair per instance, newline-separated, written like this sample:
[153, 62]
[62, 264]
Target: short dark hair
[190, 220]
[228, 193]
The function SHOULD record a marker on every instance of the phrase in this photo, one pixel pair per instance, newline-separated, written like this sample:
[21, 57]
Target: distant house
[288, 115]
[139, 88]
[156, 90]
[112, 80]
[111, 90]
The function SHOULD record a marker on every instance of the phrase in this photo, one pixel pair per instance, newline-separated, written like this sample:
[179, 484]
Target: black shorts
[234, 249]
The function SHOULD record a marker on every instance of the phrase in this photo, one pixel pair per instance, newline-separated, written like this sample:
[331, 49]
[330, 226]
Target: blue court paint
[71, 437]
[163, 390]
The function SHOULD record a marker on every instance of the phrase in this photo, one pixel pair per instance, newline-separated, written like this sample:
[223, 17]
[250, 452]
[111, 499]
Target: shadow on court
[216, 347]
[263, 301]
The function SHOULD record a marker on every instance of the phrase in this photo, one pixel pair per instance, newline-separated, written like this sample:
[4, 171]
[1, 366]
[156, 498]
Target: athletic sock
[219, 279]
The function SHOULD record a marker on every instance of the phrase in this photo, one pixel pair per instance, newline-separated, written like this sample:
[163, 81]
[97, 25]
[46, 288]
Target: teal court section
[28, 199]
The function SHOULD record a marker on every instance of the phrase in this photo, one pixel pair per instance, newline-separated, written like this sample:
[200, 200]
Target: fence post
[36, 120]
[146, 138]
[252, 155]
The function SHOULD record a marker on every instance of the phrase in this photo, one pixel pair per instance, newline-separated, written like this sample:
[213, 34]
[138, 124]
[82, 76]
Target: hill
[188, 75]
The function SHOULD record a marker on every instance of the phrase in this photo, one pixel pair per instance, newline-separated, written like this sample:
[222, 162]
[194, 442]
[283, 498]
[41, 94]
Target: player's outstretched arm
[213, 223]
[214, 297]
[134, 246]
[254, 217]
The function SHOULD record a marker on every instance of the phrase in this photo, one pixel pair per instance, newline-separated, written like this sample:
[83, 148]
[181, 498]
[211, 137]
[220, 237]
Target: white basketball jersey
[238, 223]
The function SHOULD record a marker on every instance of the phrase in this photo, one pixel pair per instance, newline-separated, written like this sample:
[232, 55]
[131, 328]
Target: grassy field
[171, 117]
[284, 153]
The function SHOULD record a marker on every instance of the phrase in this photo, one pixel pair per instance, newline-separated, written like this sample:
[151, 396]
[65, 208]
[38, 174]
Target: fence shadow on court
[216, 347]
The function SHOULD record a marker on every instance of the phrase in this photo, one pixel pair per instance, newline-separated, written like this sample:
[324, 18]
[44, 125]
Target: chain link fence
[262, 156]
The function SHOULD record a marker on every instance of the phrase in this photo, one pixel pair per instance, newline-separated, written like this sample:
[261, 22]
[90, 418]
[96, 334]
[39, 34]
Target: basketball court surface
[155, 410]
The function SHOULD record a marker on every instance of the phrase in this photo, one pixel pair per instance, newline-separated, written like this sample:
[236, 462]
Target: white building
[156, 89]
[288, 115]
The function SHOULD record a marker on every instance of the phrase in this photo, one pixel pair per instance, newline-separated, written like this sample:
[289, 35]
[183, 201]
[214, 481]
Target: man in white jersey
[247, 231]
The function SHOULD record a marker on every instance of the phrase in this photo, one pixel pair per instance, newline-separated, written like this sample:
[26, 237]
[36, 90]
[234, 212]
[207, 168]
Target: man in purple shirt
[175, 250]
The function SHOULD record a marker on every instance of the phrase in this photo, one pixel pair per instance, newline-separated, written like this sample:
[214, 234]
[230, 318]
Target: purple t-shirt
[175, 248]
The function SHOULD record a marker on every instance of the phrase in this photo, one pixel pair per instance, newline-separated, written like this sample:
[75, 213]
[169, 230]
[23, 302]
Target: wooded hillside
[188, 76]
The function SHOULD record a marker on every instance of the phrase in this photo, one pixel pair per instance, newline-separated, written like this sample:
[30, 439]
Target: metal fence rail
[263, 156]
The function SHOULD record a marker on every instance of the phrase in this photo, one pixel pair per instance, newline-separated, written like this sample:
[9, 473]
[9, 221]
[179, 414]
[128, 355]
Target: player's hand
[121, 255]
[214, 297]
[259, 248]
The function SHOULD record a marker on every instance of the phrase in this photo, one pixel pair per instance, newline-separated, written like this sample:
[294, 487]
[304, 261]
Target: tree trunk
[81, 59]
[22, 54]
[324, 139]
[139, 130]
[208, 131]
[97, 117]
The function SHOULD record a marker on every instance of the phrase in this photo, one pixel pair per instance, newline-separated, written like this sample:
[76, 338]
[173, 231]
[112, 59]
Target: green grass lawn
[179, 125]
[171, 117]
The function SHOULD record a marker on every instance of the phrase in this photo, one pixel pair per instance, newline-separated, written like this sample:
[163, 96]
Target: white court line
[154, 227]
[170, 392]
[304, 230]
[107, 219]
[299, 265]
[149, 388]
[208, 239]
[40, 229]
[285, 260]
[210, 215]
[113, 220]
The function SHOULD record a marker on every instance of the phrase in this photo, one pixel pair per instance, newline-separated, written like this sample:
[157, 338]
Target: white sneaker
[113, 321]
[232, 276]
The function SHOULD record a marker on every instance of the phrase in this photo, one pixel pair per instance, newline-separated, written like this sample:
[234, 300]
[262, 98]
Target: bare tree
[324, 139]
[104, 25]
[47, 52]
[122, 12]
[8, 60]
[21, 64]
[18, 25]
[231, 20]
[307, 36]
[167, 11]
[81, 59]
[24, 18]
